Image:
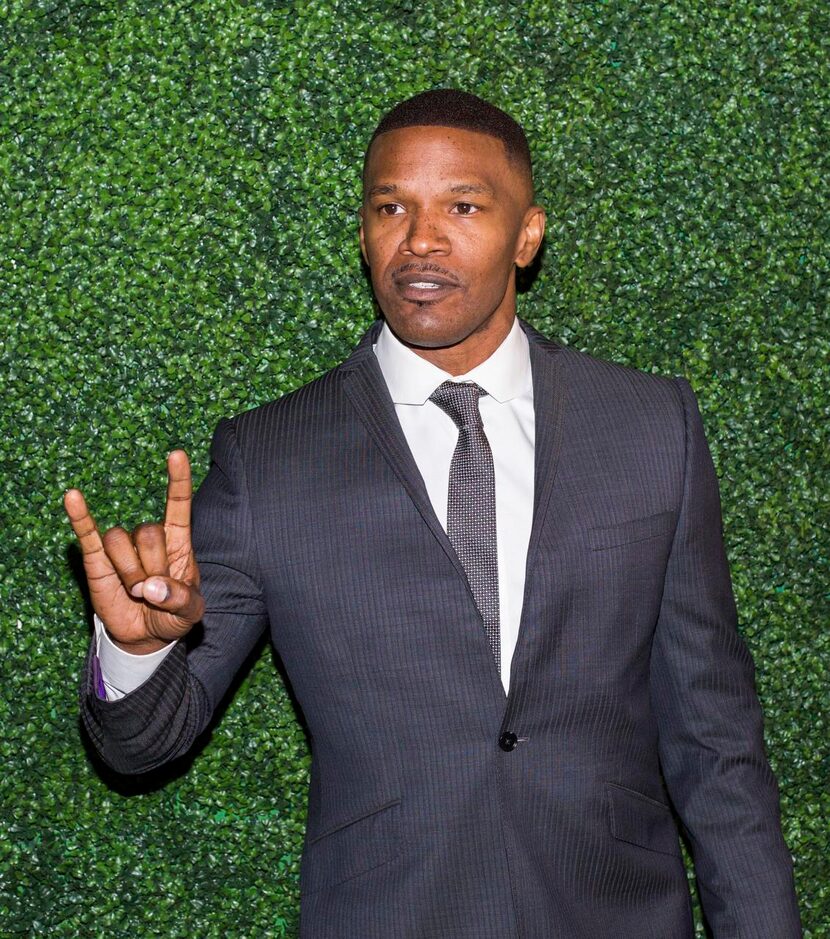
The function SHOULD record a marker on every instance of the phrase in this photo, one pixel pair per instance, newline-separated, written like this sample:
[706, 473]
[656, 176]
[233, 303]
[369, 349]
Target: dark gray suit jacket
[630, 688]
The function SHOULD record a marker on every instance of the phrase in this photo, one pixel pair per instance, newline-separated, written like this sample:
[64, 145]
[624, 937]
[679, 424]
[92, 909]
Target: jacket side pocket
[353, 847]
[638, 819]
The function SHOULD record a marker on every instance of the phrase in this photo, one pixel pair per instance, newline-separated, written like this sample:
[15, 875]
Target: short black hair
[449, 107]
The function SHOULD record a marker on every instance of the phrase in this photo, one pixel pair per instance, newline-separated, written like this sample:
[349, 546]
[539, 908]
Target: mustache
[413, 267]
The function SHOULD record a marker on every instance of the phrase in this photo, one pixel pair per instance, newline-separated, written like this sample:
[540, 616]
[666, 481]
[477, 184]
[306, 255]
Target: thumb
[174, 596]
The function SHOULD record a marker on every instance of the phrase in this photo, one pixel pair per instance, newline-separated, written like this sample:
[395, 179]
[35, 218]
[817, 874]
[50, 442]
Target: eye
[465, 208]
[390, 208]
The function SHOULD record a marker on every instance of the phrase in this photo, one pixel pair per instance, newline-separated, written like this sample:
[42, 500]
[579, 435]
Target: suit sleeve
[710, 722]
[161, 719]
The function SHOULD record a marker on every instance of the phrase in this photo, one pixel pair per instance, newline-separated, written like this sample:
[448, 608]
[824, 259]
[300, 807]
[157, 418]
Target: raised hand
[144, 586]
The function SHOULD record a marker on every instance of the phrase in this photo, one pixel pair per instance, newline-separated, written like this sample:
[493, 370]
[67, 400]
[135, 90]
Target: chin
[425, 329]
[424, 337]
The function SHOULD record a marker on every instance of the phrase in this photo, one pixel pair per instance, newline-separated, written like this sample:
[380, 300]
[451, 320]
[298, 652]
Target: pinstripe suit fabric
[630, 687]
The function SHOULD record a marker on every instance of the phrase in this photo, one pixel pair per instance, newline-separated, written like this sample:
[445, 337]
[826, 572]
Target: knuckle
[148, 532]
[196, 610]
[118, 547]
[190, 603]
[114, 537]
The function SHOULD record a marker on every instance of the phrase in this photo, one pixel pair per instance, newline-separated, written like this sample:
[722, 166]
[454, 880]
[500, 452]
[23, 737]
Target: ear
[362, 236]
[530, 236]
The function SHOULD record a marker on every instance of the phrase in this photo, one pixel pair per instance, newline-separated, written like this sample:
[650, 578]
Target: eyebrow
[474, 188]
[388, 189]
[385, 190]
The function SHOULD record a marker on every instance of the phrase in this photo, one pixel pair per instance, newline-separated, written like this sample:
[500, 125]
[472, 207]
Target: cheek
[488, 248]
[375, 244]
[490, 267]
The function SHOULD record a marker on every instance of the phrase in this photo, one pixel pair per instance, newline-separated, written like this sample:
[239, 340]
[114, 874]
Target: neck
[464, 356]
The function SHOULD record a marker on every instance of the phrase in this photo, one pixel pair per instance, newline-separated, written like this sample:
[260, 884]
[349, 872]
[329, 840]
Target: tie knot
[460, 401]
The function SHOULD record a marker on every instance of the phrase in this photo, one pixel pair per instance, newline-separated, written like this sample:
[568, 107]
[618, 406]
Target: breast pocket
[353, 847]
[630, 531]
[638, 819]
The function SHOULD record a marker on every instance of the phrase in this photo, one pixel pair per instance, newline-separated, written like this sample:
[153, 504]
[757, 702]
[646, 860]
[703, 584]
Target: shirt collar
[411, 379]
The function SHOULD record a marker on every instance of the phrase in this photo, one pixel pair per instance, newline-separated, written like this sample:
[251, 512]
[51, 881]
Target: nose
[424, 236]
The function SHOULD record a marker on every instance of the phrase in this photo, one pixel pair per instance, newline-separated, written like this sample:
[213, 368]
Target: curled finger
[151, 547]
[119, 548]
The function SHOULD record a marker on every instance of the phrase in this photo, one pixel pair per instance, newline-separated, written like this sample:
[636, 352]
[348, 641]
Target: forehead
[427, 154]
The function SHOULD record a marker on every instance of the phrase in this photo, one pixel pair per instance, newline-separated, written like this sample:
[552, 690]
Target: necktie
[471, 503]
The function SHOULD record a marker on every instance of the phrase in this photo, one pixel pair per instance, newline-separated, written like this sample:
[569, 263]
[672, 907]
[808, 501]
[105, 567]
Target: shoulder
[606, 384]
[312, 403]
[645, 410]
[608, 376]
[298, 406]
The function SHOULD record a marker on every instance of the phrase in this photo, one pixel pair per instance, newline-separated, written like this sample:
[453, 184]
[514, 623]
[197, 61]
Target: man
[494, 571]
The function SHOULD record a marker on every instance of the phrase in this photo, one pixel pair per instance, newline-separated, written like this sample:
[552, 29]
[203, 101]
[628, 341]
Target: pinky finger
[96, 562]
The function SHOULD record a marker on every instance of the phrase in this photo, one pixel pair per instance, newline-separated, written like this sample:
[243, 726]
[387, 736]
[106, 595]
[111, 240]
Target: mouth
[424, 286]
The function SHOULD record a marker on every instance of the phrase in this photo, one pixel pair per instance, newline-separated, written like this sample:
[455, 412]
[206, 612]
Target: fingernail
[156, 590]
[137, 590]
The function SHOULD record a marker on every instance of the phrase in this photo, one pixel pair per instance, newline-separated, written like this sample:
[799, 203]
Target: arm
[161, 719]
[710, 723]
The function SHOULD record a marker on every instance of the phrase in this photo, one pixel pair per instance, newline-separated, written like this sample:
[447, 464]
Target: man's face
[445, 218]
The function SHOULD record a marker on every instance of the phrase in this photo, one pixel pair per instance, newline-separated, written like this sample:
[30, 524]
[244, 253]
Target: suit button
[508, 741]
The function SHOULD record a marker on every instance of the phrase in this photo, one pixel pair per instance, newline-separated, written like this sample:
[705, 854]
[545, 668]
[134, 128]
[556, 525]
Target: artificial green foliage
[178, 185]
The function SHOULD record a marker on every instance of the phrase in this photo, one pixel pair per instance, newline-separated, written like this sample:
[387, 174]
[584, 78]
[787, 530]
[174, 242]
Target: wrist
[139, 647]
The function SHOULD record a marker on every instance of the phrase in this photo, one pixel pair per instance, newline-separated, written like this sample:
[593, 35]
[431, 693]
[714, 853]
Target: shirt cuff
[122, 672]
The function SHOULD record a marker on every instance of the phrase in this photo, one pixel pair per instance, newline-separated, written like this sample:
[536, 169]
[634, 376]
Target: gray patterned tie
[471, 505]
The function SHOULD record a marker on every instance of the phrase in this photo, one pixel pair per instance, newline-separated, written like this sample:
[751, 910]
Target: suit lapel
[548, 406]
[364, 384]
[549, 385]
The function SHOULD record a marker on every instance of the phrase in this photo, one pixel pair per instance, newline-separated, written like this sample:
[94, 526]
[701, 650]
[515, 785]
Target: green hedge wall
[179, 183]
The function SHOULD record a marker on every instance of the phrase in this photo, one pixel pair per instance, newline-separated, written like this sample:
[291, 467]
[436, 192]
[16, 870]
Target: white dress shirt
[508, 418]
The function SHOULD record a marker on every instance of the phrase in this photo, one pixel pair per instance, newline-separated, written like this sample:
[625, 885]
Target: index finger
[179, 492]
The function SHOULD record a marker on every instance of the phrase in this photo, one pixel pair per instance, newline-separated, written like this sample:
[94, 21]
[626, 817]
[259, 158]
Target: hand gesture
[144, 586]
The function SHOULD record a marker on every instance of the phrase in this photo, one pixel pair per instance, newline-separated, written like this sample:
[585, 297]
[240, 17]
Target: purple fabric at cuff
[98, 678]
